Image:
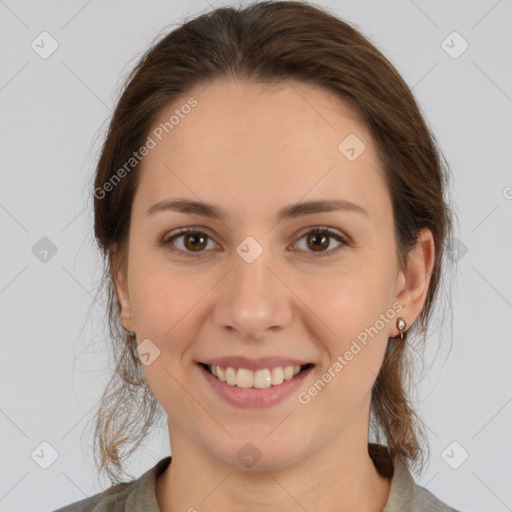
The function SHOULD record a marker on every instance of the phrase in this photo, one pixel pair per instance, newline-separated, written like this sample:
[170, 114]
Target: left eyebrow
[288, 212]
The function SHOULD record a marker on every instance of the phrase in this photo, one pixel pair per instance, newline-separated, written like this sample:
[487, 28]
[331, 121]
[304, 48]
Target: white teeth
[277, 375]
[261, 379]
[230, 376]
[288, 372]
[244, 378]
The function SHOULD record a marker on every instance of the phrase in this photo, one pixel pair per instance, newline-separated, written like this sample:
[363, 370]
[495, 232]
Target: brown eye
[319, 239]
[194, 241]
[187, 242]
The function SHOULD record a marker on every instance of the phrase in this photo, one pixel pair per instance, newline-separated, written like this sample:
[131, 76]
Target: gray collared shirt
[139, 495]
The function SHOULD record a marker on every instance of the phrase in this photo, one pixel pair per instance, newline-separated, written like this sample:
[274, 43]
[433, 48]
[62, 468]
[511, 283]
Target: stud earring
[401, 325]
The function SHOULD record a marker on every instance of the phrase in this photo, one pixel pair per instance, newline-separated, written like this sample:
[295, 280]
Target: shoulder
[424, 500]
[130, 496]
[406, 494]
[112, 499]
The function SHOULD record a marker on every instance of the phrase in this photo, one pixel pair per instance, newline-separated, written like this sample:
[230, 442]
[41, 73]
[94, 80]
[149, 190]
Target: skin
[253, 149]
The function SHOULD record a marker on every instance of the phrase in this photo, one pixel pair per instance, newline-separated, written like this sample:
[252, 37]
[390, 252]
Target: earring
[126, 316]
[400, 325]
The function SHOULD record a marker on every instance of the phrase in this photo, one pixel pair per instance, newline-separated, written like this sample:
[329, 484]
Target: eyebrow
[182, 205]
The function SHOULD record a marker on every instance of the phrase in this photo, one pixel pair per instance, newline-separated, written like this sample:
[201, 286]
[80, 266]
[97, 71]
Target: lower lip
[253, 397]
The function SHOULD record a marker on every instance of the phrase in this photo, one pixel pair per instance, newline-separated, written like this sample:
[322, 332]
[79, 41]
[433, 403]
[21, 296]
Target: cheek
[164, 296]
[349, 301]
[166, 305]
[355, 306]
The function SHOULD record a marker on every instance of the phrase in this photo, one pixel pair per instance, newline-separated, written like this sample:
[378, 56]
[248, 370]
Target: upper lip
[254, 364]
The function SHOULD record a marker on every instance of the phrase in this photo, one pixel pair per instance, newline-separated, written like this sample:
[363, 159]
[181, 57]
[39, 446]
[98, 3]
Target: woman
[271, 207]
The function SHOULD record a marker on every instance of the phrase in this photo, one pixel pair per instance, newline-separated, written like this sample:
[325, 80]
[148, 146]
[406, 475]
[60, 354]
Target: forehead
[243, 143]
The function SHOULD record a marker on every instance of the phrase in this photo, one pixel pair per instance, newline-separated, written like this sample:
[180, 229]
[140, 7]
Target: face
[302, 288]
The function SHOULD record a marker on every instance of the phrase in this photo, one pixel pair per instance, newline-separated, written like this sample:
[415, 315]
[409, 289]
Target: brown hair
[270, 42]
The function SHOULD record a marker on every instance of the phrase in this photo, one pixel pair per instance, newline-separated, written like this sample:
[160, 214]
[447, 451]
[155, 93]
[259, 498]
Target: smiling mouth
[259, 379]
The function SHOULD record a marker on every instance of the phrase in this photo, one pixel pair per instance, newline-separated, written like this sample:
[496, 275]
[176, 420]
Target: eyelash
[168, 240]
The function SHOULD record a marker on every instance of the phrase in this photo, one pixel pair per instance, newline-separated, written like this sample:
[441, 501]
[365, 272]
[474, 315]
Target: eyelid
[321, 228]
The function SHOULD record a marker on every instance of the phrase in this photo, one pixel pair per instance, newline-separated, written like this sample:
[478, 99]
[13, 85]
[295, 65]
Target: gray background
[53, 114]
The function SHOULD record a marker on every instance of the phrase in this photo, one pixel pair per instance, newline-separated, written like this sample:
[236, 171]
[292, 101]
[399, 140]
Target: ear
[121, 286]
[413, 283]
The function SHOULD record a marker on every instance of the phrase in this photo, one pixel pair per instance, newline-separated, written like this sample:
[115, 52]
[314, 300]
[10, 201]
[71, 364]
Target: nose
[253, 299]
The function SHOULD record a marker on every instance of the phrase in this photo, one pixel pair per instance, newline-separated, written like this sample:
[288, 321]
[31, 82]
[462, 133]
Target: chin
[256, 452]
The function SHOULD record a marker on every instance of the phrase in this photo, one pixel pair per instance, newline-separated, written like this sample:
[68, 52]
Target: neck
[341, 477]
